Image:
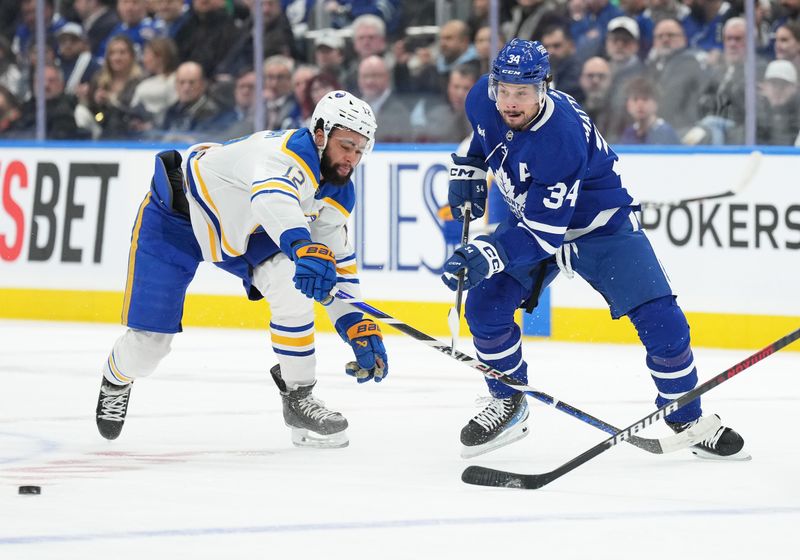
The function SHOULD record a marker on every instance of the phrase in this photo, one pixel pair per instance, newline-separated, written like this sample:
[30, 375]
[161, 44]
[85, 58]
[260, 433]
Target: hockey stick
[657, 446]
[483, 476]
[454, 315]
[752, 165]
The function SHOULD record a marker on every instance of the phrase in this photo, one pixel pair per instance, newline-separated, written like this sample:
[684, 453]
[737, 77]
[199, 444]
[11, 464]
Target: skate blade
[741, 455]
[515, 433]
[306, 438]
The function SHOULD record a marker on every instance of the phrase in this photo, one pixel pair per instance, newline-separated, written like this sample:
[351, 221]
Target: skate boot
[503, 421]
[311, 423]
[112, 405]
[724, 443]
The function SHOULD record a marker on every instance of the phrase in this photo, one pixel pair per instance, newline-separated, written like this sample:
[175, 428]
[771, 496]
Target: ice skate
[723, 444]
[311, 423]
[503, 421]
[112, 406]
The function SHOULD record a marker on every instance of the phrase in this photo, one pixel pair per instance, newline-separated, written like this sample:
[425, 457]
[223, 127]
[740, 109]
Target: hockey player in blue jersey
[570, 213]
[271, 208]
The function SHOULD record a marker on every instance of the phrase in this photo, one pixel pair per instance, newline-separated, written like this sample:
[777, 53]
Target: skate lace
[113, 407]
[315, 408]
[494, 414]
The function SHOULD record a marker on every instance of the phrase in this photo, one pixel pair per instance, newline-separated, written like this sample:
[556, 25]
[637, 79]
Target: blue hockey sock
[663, 330]
[674, 377]
[505, 355]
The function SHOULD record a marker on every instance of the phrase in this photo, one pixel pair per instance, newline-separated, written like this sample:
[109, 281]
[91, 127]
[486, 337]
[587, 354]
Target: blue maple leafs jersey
[558, 177]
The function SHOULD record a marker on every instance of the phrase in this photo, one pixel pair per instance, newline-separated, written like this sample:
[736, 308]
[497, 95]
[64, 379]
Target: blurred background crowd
[646, 71]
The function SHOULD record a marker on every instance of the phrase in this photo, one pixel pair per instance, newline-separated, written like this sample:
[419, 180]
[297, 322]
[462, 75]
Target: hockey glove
[479, 260]
[467, 184]
[315, 269]
[371, 361]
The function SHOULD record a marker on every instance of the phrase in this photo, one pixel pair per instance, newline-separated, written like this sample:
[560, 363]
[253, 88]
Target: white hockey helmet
[345, 110]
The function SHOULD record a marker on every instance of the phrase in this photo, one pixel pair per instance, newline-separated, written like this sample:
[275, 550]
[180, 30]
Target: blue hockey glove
[315, 269]
[479, 260]
[371, 361]
[467, 184]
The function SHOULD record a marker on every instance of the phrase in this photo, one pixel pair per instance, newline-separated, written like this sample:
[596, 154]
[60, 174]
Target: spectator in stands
[637, 10]
[28, 65]
[787, 43]
[277, 38]
[97, 19]
[722, 100]
[589, 33]
[447, 121]
[786, 11]
[369, 38]
[194, 111]
[595, 82]
[11, 125]
[666, 9]
[329, 54]
[345, 12]
[75, 60]
[374, 85]
[207, 36]
[135, 23]
[239, 121]
[703, 25]
[622, 49]
[483, 47]
[301, 81]
[9, 14]
[564, 64]
[59, 108]
[529, 18]
[26, 30]
[170, 16]
[321, 84]
[10, 75]
[157, 92]
[282, 109]
[647, 127]
[455, 48]
[678, 76]
[779, 105]
[113, 86]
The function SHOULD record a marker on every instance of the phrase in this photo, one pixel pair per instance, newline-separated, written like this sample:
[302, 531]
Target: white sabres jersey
[268, 181]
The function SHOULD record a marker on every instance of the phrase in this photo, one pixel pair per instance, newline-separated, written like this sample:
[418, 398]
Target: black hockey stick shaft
[647, 444]
[454, 315]
[483, 476]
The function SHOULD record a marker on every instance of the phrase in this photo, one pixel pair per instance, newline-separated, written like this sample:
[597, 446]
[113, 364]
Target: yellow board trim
[715, 330]
[126, 302]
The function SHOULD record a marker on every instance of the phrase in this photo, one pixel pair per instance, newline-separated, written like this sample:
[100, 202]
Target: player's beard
[329, 172]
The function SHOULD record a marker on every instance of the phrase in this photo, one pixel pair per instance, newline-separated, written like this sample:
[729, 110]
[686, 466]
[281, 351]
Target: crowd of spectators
[646, 71]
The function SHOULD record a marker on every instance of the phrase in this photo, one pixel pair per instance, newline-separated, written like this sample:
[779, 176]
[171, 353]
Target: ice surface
[204, 468]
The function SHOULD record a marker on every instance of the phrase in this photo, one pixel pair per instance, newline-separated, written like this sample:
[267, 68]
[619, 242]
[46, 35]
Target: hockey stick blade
[655, 445]
[483, 476]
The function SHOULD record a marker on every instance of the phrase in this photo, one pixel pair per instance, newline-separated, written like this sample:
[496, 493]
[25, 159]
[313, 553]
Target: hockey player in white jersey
[270, 208]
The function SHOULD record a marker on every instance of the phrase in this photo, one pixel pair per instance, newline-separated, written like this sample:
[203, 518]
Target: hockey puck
[30, 490]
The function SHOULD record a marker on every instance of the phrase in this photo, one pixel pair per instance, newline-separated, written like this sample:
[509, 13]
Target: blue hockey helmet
[520, 62]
